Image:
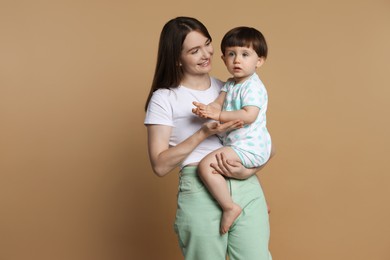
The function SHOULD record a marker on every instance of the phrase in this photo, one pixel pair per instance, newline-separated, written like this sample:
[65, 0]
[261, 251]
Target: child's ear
[260, 62]
[223, 58]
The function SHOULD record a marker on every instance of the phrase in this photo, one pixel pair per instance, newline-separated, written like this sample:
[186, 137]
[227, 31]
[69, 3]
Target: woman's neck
[197, 82]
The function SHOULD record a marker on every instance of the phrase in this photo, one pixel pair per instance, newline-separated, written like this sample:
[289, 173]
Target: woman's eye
[194, 51]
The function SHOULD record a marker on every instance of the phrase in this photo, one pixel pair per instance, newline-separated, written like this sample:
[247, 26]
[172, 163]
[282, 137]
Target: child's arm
[248, 114]
[212, 110]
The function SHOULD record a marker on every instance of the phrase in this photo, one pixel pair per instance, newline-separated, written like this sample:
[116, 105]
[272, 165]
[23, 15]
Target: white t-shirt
[173, 107]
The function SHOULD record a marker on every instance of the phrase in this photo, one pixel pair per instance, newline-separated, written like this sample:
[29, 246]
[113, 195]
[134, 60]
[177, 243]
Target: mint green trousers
[198, 219]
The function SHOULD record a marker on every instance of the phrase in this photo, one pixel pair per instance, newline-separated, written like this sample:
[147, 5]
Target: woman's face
[196, 54]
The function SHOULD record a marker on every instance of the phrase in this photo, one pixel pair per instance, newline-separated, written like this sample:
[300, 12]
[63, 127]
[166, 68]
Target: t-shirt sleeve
[159, 110]
[254, 94]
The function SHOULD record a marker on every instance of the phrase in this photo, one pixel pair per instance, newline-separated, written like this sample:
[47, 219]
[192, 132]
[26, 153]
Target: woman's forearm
[168, 159]
[165, 158]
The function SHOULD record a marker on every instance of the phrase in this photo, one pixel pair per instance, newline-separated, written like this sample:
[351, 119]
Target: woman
[177, 137]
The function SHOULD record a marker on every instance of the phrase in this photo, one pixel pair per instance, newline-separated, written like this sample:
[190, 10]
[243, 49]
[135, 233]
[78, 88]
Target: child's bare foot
[228, 217]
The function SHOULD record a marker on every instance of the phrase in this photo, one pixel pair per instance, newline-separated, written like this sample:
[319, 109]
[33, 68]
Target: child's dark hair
[245, 37]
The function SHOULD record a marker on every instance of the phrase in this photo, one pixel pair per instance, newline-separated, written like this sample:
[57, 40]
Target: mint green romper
[252, 143]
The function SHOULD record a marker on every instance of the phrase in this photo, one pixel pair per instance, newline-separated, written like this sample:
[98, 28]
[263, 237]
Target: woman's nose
[206, 53]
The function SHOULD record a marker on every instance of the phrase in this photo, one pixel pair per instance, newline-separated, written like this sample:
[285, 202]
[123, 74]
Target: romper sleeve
[226, 85]
[254, 94]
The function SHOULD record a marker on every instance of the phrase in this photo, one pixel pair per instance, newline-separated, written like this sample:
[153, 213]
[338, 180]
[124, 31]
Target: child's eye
[231, 54]
[245, 54]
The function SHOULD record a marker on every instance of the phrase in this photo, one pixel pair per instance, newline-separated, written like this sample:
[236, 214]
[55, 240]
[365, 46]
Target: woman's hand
[232, 169]
[212, 128]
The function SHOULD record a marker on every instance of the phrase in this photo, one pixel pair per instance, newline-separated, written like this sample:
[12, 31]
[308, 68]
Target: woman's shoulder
[216, 82]
[163, 93]
[162, 97]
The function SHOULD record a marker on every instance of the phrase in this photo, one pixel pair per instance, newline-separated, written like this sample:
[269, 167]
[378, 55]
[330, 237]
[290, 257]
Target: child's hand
[206, 111]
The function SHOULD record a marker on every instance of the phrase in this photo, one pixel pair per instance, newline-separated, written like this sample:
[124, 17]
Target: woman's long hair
[168, 73]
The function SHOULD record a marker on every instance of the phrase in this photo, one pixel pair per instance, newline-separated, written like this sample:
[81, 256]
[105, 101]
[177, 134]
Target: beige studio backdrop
[75, 181]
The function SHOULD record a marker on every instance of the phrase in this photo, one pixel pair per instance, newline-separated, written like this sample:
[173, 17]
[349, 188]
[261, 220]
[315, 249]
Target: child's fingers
[198, 105]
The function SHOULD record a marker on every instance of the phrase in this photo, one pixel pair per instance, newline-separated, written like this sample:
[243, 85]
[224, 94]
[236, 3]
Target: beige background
[75, 179]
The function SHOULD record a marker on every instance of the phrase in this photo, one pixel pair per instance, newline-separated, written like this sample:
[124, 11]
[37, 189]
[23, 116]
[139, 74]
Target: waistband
[189, 170]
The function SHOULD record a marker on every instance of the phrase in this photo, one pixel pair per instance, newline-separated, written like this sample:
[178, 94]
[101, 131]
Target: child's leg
[216, 184]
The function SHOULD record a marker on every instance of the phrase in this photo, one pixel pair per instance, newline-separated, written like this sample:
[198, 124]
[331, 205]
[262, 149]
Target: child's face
[241, 62]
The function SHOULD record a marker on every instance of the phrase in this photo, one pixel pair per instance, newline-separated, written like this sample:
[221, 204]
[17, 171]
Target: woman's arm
[214, 111]
[164, 158]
